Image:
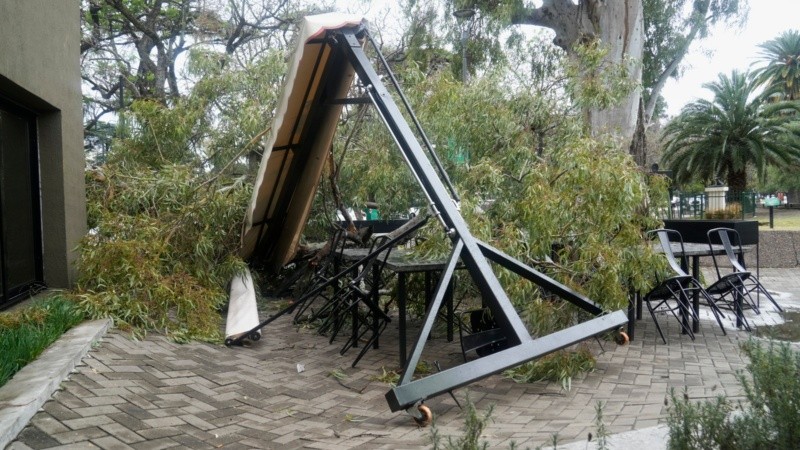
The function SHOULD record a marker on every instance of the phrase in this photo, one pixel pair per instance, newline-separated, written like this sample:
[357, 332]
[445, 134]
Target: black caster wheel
[255, 336]
[228, 342]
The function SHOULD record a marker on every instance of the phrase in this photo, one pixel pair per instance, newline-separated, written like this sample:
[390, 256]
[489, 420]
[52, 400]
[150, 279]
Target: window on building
[20, 211]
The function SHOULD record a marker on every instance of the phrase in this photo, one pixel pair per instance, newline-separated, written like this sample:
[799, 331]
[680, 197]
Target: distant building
[42, 192]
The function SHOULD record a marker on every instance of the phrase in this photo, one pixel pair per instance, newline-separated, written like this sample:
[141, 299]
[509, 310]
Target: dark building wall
[40, 71]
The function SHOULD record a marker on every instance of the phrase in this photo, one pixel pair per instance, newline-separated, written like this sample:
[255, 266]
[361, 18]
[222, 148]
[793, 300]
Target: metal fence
[688, 205]
[748, 200]
[694, 205]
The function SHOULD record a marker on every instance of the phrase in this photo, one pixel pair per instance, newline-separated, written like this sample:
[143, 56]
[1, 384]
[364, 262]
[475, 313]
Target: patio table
[402, 263]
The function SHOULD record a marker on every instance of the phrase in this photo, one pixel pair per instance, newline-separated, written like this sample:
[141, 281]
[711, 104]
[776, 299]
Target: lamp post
[464, 18]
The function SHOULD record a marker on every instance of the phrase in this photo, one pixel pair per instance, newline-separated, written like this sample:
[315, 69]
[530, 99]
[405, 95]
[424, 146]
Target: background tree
[130, 49]
[781, 57]
[671, 27]
[643, 44]
[739, 128]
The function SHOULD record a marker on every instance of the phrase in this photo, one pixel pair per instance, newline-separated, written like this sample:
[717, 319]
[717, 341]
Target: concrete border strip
[23, 395]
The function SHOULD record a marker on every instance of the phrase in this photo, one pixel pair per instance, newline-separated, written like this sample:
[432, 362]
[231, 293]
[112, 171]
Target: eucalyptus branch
[241, 153]
[362, 110]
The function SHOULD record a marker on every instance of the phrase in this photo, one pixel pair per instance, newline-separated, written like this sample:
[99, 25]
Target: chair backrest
[729, 238]
[666, 238]
[381, 248]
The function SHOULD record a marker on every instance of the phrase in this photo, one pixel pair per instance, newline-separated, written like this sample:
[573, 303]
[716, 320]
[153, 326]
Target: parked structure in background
[42, 193]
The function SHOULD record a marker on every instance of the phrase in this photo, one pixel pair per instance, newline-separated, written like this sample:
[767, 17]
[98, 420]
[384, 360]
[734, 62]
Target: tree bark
[617, 24]
[639, 141]
[737, 180]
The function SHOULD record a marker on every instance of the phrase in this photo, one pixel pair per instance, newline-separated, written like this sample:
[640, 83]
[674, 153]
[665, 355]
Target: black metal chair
[731, 268]
[357, 302]
[672, 295]
[323, 270]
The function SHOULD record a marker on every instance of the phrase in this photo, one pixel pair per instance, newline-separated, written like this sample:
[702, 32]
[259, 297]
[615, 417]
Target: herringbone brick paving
[153, 393]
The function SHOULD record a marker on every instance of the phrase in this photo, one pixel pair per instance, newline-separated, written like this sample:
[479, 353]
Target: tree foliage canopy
[737, 129]
[781, 70]
[671, 27]
[167, 201]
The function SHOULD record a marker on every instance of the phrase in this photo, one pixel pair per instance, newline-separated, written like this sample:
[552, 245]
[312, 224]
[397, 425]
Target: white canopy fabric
[298, 144]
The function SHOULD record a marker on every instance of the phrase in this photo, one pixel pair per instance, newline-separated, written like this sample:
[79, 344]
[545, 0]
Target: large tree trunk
[619, 25]
[638, 147]
[737, 180]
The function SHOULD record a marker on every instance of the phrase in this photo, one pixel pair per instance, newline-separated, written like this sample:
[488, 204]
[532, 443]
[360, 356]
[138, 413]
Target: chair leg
[715, 310]
[368, 344]
[653, 315]
[760, 287]
[685, 307]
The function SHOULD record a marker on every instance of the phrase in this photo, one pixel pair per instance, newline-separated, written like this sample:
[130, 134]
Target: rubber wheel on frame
[427, 416]
[621, 338]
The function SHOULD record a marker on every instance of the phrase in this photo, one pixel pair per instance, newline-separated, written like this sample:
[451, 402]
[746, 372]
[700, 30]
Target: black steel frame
[474, 254]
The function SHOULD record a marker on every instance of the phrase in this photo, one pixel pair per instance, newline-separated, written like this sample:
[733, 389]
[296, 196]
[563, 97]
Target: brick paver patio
[154, 394]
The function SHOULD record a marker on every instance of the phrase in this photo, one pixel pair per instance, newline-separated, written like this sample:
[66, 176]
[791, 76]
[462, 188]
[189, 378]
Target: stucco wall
[779, 248]
[40, 70]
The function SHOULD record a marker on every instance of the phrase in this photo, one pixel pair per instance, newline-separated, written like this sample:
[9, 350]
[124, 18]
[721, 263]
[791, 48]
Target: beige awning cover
[296, 150]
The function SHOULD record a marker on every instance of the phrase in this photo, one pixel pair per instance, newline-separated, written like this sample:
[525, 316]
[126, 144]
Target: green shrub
[470, 438]
[769, 419]
[24, 334]
[162, 249]
[731, 211]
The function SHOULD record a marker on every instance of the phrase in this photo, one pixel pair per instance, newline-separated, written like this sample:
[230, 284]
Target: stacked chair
[673, 294]
[354, 299]
[745, 289]
[323, 271]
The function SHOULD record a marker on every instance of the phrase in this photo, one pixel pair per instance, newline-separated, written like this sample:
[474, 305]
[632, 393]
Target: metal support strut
[474, 255]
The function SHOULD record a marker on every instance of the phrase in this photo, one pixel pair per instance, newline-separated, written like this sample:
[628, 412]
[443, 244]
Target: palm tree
[720, 139]
[782, 58]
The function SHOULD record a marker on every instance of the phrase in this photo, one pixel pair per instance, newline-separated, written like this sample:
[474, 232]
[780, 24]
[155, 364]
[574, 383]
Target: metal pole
[464, 18]
[464, 71]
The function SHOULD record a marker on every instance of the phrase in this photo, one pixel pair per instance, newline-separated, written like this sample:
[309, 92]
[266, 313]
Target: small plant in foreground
[770, 417]
[389, 377]
[600, 428]
[25, 333]
[475, 424]
[470, 439]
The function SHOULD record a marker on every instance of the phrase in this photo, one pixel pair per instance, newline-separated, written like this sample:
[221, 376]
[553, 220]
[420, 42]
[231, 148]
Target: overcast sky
[723, 51]
[731, 49]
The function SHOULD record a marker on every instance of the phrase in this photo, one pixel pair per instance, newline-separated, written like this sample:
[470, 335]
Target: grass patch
[24, 334]
[783, 219]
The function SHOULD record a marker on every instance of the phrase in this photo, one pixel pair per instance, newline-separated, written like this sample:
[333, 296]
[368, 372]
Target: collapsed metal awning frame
[474, 254]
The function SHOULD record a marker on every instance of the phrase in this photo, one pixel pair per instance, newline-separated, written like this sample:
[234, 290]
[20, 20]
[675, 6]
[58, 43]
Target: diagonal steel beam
[430, 316]
[441, 202]
[531, 274]
[406, 395]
